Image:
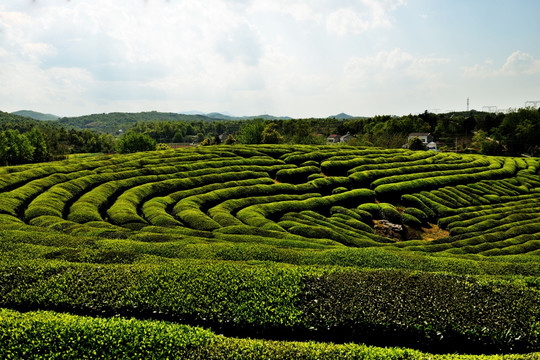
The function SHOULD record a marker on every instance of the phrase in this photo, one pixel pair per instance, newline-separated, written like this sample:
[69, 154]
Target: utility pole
[467, 103]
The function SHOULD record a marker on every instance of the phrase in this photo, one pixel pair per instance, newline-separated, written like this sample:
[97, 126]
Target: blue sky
[281, 57]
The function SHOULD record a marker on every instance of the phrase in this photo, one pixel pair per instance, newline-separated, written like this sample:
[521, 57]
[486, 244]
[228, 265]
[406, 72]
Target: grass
[433, 232]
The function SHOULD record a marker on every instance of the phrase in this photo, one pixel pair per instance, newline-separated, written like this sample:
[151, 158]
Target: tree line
[24, 140]
[514, 133]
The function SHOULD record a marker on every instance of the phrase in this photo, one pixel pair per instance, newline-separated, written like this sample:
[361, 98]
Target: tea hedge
[276, 242]
[293, 303]
[50, 335]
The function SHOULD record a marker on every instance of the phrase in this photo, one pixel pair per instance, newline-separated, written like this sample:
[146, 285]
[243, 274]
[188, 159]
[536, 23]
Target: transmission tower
[490, 108]
[467, 103]
[533, 103]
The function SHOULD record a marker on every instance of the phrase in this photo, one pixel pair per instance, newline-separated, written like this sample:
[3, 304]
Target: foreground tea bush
[47, 335]
[434, 310]
[429, 311]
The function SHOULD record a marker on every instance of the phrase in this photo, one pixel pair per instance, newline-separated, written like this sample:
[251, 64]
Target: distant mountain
[193, 112]
[220, 116]
[268, 117]
[111, 123]
[341, 116]
[36, 115]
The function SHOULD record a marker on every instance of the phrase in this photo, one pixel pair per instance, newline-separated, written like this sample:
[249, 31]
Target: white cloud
[240, 43]
[521, 63]
[87, 56]
[131, 50]
[289, 57]
[298, 10]
[393, 66]
[518, 63]
[366, 15]
[339, 18]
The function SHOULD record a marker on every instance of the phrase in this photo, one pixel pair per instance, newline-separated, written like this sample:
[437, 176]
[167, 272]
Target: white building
[425, 137]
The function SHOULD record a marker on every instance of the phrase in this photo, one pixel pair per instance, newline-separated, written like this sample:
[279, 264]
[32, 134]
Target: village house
[336, 139]
[425, 137]
[427, 140]
[345, 138]
[333, 139]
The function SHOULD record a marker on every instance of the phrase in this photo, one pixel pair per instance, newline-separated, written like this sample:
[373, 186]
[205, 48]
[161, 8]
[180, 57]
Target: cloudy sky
[281, 57]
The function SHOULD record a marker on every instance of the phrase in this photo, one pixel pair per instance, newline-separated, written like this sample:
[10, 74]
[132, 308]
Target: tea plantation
[274, 251]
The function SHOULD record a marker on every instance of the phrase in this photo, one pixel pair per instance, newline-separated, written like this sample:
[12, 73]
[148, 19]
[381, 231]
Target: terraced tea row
[290, 242]
[335, 194]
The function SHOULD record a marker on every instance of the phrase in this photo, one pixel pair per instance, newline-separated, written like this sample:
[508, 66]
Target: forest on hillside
[24, 140]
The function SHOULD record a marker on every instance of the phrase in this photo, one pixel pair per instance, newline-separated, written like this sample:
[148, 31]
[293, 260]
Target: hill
[36, 115]
[289, 251]
[111, 123]
[341, 116]
[13, 121]
[220, 116]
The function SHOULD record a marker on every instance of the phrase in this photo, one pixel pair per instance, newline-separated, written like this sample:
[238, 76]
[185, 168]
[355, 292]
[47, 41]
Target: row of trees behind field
[514, 133]
[24, 140]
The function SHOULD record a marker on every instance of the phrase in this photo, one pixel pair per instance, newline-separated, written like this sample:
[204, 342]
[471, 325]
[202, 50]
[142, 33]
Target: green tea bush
[337, 167]
[414, 201]
[223, 213]
[315, 176]
[339, 190]
[209, 236]
[51, 335]
[417, 213]
[472, 316]
[348, 304]
[411, 221]
[371, 208]
[359, 215]
[390, 213]
[349, 221]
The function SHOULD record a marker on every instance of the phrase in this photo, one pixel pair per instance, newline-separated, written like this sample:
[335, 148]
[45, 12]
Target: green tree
[270, 135]
[302, 133]
[478, 140]
[162, 146]
[251, 132]
[520, 131]
[19, 150]
[190, 130]
[37, 140]
[133, 142]
[206, 142]
[486, 145]
[178, 136]
[106, 143]
[3, 149]
[416, 144]
[230, 140]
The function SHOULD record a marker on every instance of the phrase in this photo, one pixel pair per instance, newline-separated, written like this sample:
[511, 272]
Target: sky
[282, 57]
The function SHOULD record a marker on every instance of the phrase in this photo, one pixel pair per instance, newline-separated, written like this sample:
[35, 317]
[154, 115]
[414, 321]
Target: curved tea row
[323, 243]
[313, 195]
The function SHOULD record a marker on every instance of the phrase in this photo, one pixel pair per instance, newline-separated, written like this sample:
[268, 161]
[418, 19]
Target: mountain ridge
[36, 115]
